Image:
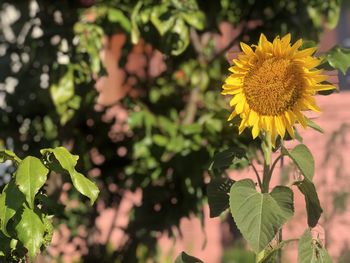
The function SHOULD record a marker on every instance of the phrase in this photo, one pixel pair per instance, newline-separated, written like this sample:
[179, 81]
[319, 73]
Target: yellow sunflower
[272, 83]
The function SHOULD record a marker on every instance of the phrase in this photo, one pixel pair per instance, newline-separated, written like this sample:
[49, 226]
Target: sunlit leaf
[68, 162]
[339, 58]
[11, 200]
[31, 175]
[30, 231]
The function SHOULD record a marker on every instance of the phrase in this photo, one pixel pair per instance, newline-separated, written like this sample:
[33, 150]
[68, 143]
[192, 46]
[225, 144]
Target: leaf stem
[268, 174]
[256, 173]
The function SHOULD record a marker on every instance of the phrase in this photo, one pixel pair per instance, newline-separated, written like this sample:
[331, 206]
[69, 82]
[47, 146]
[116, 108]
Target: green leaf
[303, 159]
[225, 158]
[68, 162]
[11, 200]
[31, 175]
[9, 155]
[313, 125]
[259, 216]
[339, 58]
[195, 19]
[185, 258]
[311, 251]
[313, 206]
[218, 195]
[117, 16]
[30, 231]
[85, 186]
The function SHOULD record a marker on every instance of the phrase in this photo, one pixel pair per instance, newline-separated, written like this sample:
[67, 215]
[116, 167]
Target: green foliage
[338, 58]
[24, 221]
[303, 158]
[313, 206]
[67, 162]
[259, 216]
[31, 175]
[185, 258]
[311, 251]
[218, 195]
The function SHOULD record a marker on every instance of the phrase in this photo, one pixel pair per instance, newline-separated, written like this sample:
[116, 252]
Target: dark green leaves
[31, 175]
[339, 58]
[218, 198]
[313, 206]
[68, 162]
[185, 258]
[30, 231]
[303, 159]
[311, 250]
[259, 216]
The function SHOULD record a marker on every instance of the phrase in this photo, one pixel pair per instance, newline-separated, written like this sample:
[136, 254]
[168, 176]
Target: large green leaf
[185, 258]
[303, 159]
[313, 206]
[218, 195]
[311, 251]
[68, 162]
[30, 231]
[339, 58]
[11, 200]
[31, 175]
[259, 216]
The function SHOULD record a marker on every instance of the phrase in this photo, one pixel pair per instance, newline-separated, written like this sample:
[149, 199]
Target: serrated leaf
[185, 258]
[68, 162]
[30, 231]
[31, 175]
[339, 58]
[313, 206]
[310, 251]
[303, 159]
[259, 216]
[11, 200]
[218, 195]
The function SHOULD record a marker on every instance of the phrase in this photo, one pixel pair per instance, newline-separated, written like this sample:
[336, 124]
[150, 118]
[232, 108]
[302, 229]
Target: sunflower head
[272, 83]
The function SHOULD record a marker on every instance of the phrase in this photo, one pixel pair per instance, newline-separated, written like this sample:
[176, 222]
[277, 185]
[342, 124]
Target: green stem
[268, 174]
[256, 173]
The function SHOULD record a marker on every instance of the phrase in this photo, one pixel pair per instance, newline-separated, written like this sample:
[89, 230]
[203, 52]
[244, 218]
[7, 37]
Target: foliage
[25, 220]
[176, 120]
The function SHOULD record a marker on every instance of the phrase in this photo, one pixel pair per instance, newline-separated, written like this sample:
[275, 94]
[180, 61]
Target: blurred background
[133, 87]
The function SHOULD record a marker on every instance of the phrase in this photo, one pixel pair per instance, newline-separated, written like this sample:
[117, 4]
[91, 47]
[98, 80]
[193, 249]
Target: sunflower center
[273, 86]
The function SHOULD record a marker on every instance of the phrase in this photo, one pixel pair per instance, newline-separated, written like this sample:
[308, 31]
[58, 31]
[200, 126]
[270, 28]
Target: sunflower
[272, 84]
